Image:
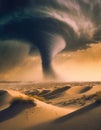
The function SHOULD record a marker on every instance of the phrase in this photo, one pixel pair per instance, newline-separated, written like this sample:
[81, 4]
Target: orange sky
[83, 65]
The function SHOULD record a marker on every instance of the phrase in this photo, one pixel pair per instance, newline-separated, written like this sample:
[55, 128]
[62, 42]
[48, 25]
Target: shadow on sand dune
[88, 118]
[16, 108]
[57, 92]
[85, 89]
[77, 113]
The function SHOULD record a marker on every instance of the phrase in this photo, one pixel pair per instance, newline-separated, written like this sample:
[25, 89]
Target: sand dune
[94, 89]
[24, 111]
[65, 96]
[78, 110]
[87, 118]
[5, 99]
[44, 92]
[79, 89]
[70, 95]
[56, 92]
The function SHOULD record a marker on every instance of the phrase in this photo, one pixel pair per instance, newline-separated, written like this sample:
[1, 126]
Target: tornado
[53, 45]
[51, 26]
[41, 33]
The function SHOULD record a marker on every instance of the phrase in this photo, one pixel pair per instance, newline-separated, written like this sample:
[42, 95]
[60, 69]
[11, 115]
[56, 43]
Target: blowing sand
[68, 107]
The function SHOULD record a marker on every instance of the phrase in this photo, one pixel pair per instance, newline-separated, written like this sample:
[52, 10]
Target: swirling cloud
[50, 26]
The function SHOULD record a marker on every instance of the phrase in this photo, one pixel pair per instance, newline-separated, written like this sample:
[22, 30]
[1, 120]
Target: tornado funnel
[53, 44]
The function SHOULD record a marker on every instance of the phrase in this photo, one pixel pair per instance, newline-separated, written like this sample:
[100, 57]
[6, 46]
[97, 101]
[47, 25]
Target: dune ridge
[24, 111]
[87, 118]
[64, 107]
[8, 97]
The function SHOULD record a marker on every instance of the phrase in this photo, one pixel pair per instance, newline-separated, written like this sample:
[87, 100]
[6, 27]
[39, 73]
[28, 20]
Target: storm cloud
[49, 27]
[12, 53]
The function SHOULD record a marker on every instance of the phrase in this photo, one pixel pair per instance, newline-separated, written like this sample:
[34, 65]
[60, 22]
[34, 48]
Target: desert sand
[50, 106]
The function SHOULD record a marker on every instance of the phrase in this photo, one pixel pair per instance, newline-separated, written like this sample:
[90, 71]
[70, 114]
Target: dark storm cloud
[41, 23]
[12, 53]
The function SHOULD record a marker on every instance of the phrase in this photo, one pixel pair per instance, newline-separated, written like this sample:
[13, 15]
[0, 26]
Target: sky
[58, 40]
[81, 65]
